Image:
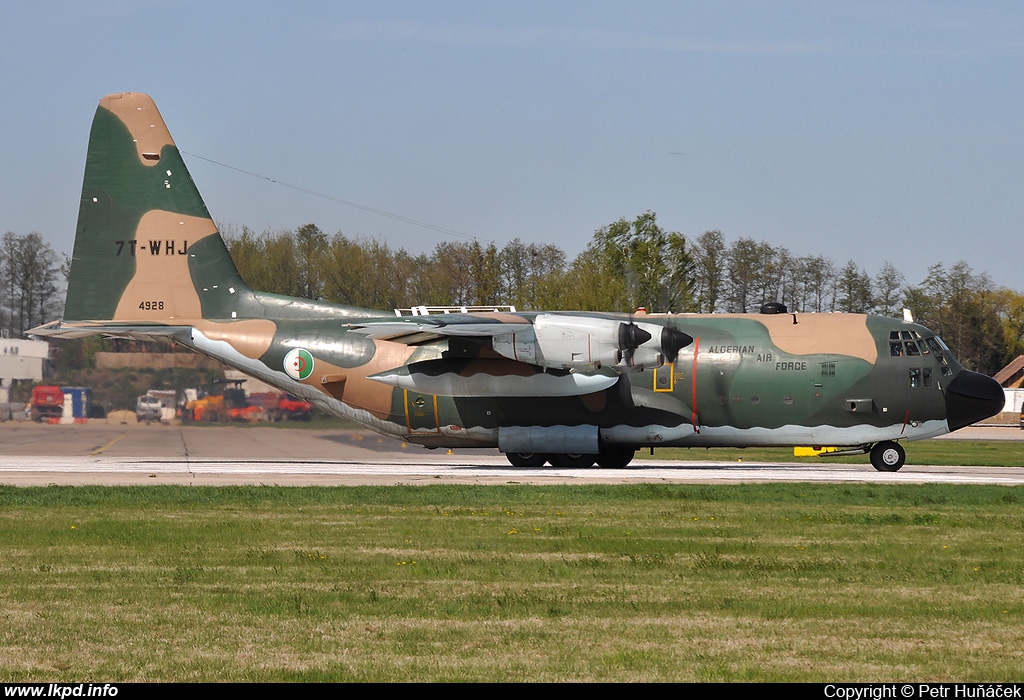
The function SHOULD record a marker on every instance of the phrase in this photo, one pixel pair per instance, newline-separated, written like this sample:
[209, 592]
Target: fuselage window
[912, 350]
[896, 349]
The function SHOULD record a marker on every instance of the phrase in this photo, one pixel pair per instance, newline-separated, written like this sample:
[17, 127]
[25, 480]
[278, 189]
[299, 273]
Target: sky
[865, 131]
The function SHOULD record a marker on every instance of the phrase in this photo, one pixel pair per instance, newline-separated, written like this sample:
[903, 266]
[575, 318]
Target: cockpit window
[908, 343]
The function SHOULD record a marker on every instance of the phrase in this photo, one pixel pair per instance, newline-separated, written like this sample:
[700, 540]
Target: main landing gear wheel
[572, 461]
[616, 458]
[888, 456]
[525, 459]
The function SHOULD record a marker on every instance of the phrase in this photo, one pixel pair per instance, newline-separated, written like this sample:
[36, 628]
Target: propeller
[632, 336]
[672, 341]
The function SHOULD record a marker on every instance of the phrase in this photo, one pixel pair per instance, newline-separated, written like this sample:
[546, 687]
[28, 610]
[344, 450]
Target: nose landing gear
[888, 456]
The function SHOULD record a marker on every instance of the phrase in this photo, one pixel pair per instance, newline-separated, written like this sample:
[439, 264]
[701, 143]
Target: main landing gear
[888, 456]
[612, 458]
[526, 459]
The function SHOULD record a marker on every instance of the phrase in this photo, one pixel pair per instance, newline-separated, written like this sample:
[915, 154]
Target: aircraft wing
[529, 374]
[558, 341]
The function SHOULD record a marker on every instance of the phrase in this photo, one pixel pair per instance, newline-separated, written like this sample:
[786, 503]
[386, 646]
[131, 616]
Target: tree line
[626, 265]
[630, 264]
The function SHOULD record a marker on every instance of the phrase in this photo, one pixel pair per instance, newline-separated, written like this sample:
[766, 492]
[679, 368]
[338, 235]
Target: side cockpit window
[915, 377]
[920, 377]
[895, 344]
[936, 345]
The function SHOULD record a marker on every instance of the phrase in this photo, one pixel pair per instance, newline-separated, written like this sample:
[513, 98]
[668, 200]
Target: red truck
[47, 402]
[277, 405]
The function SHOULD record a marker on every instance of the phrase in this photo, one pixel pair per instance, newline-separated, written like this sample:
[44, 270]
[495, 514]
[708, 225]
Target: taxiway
[101, 453]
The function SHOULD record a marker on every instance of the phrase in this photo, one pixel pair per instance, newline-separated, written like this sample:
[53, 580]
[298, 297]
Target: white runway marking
[489, 469]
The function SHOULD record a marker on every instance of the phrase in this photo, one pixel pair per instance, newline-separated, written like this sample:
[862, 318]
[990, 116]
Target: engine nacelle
[579, 342]
[642, 358]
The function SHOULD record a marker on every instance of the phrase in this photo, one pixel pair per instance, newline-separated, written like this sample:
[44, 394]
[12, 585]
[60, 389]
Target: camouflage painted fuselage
[804, 379]
[149, 263]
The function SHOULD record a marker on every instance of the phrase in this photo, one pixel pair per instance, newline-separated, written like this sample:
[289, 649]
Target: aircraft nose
[972, 397]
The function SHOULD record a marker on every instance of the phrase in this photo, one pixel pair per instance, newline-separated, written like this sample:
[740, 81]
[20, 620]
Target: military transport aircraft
[565, 388]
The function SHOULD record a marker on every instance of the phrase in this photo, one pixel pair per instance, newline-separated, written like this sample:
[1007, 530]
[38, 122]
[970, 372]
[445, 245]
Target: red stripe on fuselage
[693, 383]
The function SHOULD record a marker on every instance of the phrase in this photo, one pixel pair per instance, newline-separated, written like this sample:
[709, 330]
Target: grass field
[778, 582]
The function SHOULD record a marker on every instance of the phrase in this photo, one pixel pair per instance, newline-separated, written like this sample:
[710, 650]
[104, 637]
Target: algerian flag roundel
[298, 364]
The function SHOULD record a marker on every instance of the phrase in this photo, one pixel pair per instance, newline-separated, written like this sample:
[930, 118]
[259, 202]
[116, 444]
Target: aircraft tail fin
[146, 249]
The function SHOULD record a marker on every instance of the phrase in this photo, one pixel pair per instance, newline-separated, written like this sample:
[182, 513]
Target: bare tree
[31, 273]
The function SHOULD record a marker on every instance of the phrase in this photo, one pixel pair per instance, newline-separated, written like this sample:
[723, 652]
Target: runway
[100, 453]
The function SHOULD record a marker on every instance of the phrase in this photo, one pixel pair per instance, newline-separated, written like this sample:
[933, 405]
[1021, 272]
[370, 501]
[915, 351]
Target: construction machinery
[224, 402]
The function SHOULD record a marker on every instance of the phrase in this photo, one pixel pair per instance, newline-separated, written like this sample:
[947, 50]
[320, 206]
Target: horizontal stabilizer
[146, 332]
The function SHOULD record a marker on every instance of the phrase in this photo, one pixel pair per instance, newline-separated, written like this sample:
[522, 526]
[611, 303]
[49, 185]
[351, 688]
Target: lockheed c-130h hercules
[565, 388]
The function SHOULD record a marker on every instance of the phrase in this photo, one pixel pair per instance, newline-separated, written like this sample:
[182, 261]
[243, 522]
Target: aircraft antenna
[339, 200]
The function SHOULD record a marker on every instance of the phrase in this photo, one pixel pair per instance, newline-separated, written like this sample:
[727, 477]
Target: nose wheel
[888, 456]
